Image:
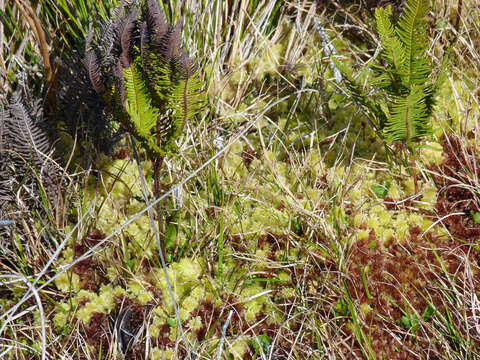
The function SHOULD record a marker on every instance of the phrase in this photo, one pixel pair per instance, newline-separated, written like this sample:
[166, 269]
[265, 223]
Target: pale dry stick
[328, 49]
[97, 248]
[250, 40]
[440, 220]
[17, 346]
[224, 333]
[2, 63]
[259, 33]
[157, 238]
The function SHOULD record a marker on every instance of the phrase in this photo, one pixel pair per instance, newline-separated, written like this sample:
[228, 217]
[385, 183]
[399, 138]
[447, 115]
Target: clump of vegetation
[402, 111]
[155, 88]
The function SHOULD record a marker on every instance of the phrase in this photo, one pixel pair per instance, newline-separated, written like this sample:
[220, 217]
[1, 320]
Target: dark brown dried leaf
[170, 48]
[157, 26]
[125, 31]
[92, 65]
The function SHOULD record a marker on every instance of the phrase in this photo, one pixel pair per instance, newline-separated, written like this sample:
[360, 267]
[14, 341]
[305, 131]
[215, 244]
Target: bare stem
[414, 172]
[157, 166]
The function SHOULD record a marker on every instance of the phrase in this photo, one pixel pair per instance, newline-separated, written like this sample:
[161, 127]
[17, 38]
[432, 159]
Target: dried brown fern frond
[30, 178]
[26, 155]
[93, 68]
[155, 21]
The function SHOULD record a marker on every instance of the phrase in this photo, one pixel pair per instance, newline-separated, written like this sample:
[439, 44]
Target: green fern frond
[392, 47]
[154, 89]
[411, 29]
[409, 117]
[159, 74]
[143, 116]
[373, 110]
[138, 103]
[185, 99]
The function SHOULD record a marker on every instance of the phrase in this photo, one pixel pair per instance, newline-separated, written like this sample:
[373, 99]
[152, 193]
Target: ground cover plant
[287, 225]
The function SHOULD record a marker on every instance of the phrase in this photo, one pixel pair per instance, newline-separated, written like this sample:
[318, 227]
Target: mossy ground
[289, 228]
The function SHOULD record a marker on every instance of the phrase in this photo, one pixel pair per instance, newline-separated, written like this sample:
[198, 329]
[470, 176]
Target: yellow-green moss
[67, 281]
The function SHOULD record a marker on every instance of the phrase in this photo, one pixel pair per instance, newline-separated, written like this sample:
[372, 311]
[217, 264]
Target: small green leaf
[171, 321]
[263, 341]
[476, 217]
[171, 235]
[381, 190]
[428, 312]
[410, 322]
[341, 308]
[237, 208]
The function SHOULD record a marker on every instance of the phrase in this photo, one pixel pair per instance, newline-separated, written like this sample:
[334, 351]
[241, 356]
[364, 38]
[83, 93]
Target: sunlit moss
[409, 186]
[61, 316]
[234, 166]
[161, 354]
[260, 220]
[84, 294]
[432, 153]
[451, 107]
[67, 281]
[67, 256]
[239, 347]
[362, 234]
[85, 312]
[195, 323]
[159, 319]
[255, 305]
[106, 299]
[395, 191]
[137, 291]
[189, 304]
[268, 61]
[112, 274]
[365, 308]
[429, 197]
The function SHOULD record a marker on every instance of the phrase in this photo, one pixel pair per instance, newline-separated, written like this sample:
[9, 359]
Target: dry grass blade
[50, 73]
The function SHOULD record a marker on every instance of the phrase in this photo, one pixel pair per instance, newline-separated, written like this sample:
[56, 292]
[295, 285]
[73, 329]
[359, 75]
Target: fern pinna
[155, 88]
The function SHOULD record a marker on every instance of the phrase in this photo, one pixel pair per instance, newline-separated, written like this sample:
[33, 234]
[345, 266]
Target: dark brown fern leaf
[156, 24]
[28, 174]
[186, 66]
[81, 107]
[109, 45]
[5, 179]
[3, 117]
[27, 138]
[170, 48]
[122, 90]
[144, 44]
[126, 31]
[92, 65]
[28, 177]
